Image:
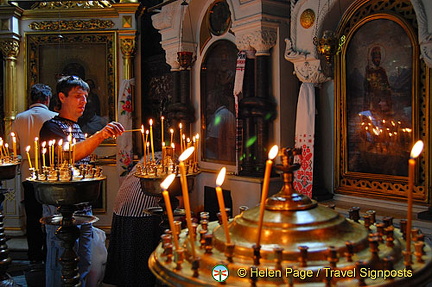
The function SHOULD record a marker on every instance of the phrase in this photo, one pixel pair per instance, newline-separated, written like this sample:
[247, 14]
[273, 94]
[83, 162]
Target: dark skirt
[131, 243]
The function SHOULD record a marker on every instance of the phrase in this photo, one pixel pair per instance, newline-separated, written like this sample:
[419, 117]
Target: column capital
[261, 40]
[307, 68]
[127, 45]
[9, 48]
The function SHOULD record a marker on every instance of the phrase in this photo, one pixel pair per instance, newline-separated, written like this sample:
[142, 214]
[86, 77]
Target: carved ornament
[164, 19]
[307, 18]
[9, 48]
[263, 40]
[127, 46]
[72, 5]
[306, 67]
[65, 25]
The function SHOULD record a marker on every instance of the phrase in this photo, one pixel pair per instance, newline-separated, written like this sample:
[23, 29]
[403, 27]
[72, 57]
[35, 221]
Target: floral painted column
[124, 142]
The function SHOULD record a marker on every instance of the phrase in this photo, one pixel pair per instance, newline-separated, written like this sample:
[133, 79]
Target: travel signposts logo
[220, 273]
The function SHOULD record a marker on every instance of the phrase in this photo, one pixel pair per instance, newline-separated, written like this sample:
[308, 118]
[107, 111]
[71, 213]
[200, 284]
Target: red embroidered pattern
[303, 177]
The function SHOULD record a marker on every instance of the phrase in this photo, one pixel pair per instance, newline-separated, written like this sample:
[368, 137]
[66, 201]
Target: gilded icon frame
[379, 178]
[50, 53]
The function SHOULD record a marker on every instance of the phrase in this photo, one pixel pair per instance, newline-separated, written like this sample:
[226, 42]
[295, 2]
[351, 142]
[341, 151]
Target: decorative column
[258, 110]
[247, 163]
[179, 56]
[10, 50]
[127, 46]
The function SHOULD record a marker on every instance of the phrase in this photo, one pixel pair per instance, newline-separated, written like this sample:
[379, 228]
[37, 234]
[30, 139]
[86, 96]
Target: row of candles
[4, 149]
[148, 142]
[65, 151]
[219, 181]
[415, 152]
[384, 133]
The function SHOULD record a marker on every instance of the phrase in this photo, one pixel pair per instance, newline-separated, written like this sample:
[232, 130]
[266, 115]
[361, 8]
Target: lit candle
[172, 135]
[73, 150]
[36, 152]
[50, 147]
[43, 156]
[180, 137]
[164, 185]
[14, 147]
[415, 152]
[197, 147]
[195, 154]
[219, 181]
[60, 152]
[28, 156]
[53, 151]
[70, 145]
[144, 144]
[272, 154]
[184, 141]
[162, 131]
[147, 142]
[151, 139]
[184, 156]
[1, 147]
[7, 149]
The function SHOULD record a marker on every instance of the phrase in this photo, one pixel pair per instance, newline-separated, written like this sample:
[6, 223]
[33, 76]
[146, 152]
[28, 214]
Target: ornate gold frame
[375, 184]
[95, 50]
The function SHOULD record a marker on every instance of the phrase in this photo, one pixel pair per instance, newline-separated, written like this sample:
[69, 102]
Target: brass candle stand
[150, 185]
[302, 244]
[7, 171]
[66, 195]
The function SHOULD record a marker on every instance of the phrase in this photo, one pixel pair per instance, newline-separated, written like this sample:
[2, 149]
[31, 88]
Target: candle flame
[60, 142]
[172, 131]
[417, 149]
[172, 145]
[36, 139]
[167, 181]
[273, 152]
[44, 150]
[180, 125]
[12, 134]
[197, 136]
[184, 156]
[142, 128]
[147, 132]
[43, 144]
[28, 148]
[221, 176]
[151, 122]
